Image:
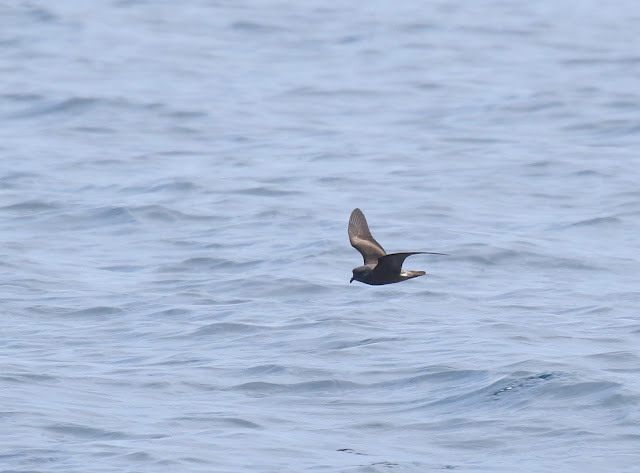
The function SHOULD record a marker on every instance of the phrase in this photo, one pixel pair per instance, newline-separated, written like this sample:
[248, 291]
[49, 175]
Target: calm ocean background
[176, 180]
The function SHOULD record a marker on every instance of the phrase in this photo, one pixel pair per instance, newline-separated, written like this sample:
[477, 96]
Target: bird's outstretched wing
[393, 262]
[361, 239]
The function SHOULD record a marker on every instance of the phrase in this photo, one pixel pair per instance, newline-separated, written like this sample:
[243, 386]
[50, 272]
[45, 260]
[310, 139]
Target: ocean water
[176, 180]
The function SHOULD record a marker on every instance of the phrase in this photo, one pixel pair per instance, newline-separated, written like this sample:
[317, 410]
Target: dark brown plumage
[379, 267]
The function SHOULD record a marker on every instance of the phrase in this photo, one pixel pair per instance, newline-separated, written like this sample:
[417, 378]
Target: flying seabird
[379, 267]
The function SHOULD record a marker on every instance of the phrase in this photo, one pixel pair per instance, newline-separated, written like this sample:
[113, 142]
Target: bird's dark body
[379, 268]
[381, 278]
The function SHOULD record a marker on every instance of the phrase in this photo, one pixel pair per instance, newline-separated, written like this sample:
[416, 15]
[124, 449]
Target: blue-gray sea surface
[175, 185]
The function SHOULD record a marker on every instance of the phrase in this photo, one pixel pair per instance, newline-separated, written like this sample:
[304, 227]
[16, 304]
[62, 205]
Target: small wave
[314, 387]
[519, 383]
[251, 26]
[587, 309]
[265, 369]
[219, 328]
[188, 114]
[597, 390]
[113, 214]
[97, 130]
[20, 98]
[342, 344]
[173, 186]
[619, 357]
[237, 422]
[122, 268]
[28, 378]
[30, 207]
[516, 388]
[82, 431]
[339, 181]
[619, 361]
[268, 286]
[163, 214]
[329, 92]
[597, 221]
[99, 310]
[213, 420]
[493, 257]
[92, 218]
[138, 456]
[590, 61]
[263, 191]
[568, 263]
[157, 213]
[444, 376]
[41, 14]
[71, 106]
[19, 180]
[205, 264]
[170, 313]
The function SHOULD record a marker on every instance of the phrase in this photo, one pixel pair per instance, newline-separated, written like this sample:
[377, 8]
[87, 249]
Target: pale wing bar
[362, 240]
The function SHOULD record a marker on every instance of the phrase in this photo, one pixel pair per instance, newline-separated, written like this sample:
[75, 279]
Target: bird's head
[361, 273]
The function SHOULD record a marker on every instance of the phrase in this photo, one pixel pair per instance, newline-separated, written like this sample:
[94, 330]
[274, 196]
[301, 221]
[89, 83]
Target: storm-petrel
[379, 267]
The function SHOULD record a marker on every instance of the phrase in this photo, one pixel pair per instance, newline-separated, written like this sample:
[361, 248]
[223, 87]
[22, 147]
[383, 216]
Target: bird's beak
[351, 280]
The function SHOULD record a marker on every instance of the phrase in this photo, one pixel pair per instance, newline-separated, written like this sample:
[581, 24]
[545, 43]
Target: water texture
[176, 180]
